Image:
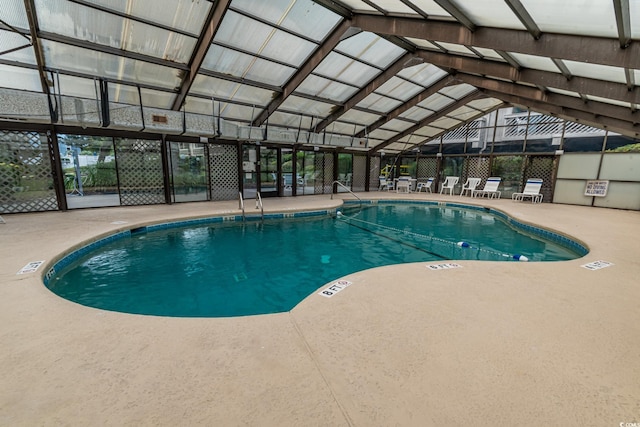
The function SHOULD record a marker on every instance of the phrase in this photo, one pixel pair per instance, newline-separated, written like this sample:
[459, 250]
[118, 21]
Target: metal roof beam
[30, 7]
[305, 69]
[601, 122]
[455, 11]
[469, 120]
[335, 7]
[523, 15]
[432, 118]
[564, 102]
[212, 23]
[434, 88]
[600, 88]
[598, 50]
[623, 21]
[374, 84]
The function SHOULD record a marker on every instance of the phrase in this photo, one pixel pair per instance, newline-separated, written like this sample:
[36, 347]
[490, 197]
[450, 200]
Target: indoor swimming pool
[215, 268]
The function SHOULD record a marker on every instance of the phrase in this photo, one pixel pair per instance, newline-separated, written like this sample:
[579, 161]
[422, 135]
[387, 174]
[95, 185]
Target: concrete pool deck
[485, 344]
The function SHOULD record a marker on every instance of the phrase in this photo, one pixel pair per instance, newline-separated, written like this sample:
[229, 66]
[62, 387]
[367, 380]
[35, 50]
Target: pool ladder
[258, 206]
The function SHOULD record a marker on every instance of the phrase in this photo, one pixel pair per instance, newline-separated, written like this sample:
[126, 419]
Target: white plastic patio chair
[386, 184]
[531, 190]
[449, 183]
[426, 186]
[470, 186]
[403, 185]
[490, 188]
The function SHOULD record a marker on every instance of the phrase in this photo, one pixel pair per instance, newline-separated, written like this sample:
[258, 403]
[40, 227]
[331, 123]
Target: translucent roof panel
[370, 48]
[379, 103]
[344, 128]
[199, 105]
[490, 13]
[300, 16]
[11, 40]
[485, 103]
[76, 21]
[345, 69]
[457, 91]
[423, 74]
[431, 8]
[489, 53]
[325, 88]
[634, 7]
[19, 78]
[423, 43]
[535, 62]
[435, 102]
[359, 117]
[399, 88]
[66, 57]
[588, 18]
[358, 5]
[464, 113]
[428, 131]
[596, 71]
[250, 35]
[13, 13]
[229, 111]
[228, 61]
[382, 134]
[307, 106]
[290, 120]
[398, 125]
[230, 91]
[129, 95]
[445, 122]
[185, 15]
[416, 113]
[456, 48]
[394, 6]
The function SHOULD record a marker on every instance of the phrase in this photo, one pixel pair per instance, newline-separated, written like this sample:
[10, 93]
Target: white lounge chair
[449, 183]
[385, 184]
[403, 185]
[426, 186]
[531, 190]
[470, 186]
[490, 188]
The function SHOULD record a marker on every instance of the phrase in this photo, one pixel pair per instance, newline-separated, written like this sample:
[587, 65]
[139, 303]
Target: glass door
[188, 172]
[249, 171]
[269, 176]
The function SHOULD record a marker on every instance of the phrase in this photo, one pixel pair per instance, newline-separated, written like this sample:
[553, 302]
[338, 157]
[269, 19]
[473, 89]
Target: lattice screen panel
[324, 165]
[374, 173]
[140, 171]
[223, 171]
[541, 167]
[359, 173]
[26, 177]
[477, 167]
[427, 167]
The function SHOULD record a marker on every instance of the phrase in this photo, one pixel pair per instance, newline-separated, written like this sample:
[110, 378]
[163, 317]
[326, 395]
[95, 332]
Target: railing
[241, 206]
[259, 205]
[349, 190]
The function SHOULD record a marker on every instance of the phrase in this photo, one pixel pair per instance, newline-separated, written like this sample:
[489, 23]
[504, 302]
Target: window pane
[230, 91]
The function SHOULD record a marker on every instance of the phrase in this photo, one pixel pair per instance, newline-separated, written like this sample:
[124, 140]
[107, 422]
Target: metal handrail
[259, 205]
[241, 205]
[349, 190]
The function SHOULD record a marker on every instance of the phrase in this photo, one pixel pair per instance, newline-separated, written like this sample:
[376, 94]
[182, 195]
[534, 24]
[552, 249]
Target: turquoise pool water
[235, 269]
